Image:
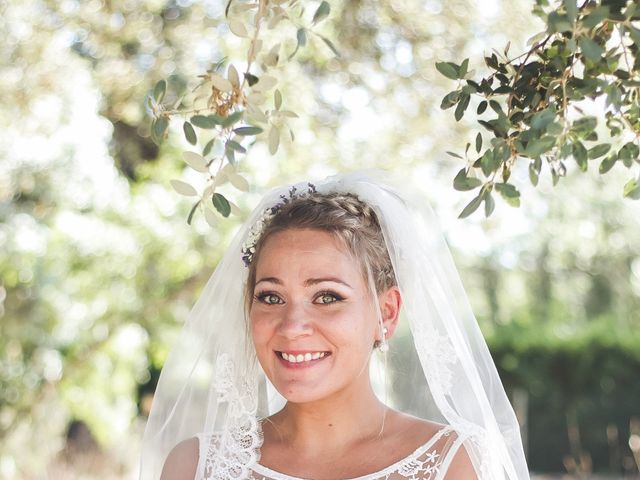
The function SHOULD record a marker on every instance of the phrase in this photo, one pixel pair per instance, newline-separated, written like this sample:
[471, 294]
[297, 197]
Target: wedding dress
[212, 382]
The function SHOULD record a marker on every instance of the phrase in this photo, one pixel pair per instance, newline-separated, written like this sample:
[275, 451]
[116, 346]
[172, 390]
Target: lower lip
[299, 365]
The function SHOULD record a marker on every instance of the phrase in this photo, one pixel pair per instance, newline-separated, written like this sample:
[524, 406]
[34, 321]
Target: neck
[346, 418]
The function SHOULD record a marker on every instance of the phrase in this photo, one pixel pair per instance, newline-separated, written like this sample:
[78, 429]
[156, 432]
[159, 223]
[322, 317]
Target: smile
[301, 357]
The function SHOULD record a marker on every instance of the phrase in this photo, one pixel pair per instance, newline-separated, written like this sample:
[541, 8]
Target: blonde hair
[349, 219]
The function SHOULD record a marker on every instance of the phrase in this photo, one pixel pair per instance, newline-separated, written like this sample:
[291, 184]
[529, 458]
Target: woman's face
[313, 322]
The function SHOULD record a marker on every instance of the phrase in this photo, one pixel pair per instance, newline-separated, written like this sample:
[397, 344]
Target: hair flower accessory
[249, 246]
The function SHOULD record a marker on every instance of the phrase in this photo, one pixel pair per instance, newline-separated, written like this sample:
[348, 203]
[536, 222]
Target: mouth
[299, 359]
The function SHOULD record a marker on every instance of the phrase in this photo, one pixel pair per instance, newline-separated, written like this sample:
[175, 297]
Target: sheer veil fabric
[212, 382]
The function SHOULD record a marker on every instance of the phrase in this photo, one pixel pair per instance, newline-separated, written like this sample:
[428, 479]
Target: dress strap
[206, 442]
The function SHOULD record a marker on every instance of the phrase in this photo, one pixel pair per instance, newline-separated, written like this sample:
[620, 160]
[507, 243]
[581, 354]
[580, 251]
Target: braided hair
[352, 221]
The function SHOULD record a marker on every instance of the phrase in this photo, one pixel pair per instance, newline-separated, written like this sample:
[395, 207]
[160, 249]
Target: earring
[383, 346]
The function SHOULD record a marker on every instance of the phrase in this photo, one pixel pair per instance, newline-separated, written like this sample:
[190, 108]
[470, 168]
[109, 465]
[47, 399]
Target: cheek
[260, 331]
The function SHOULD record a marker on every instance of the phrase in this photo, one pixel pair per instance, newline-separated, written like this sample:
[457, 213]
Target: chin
[299, 393]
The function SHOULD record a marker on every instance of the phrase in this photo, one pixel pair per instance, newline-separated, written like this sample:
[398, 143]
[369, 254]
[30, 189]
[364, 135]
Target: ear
[390, 302]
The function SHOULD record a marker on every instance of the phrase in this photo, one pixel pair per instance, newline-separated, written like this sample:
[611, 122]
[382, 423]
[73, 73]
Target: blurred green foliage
[582, 396]
[97, 265]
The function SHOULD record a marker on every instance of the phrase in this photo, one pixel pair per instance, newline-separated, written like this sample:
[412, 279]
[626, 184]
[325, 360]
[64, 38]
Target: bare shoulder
[182, 461]
[461, 466]
[415, 430]
[406, 432]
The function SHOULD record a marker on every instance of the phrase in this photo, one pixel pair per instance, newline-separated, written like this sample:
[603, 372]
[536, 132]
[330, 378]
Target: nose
[295, 321]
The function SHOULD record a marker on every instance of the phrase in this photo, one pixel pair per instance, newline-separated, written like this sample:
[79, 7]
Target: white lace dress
[429, 461]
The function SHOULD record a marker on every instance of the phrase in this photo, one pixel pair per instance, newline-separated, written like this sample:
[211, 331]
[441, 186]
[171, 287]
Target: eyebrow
[308, 282]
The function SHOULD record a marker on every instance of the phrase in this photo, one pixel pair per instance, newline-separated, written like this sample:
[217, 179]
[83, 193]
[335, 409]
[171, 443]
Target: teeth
[307, 357]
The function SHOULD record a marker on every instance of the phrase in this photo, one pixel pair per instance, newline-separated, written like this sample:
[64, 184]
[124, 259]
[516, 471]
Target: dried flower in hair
[249, 246]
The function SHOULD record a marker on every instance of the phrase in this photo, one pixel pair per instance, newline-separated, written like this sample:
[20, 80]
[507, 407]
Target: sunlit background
[98, 268]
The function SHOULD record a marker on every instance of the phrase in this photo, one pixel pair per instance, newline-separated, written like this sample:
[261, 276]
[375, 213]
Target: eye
[326, 298]
[268, 298]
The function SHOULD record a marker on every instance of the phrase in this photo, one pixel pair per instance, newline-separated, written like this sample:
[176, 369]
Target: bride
[274, 376]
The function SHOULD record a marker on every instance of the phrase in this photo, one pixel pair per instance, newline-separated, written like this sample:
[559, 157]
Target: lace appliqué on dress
[425, 467]
[232, 453]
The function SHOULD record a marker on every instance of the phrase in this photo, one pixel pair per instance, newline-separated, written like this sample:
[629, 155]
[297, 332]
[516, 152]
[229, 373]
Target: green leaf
[472, 206]
[496, 107]
[489, 204]
[231, 119]
[599, 150]
[492, 61]
[462, 106]
[207, 148]
[538, 146]
[509, 193]
[450, 99]
[584, 127]
[478, 142]
[502, 150]
[559, 23]
[635, 35]
[189, 133]
[322, 12]
[277, 99]
[233, 145]
[159, 128]
[247, 131]
[482, 106]
[629, 151]
[572, 9]
[541, 119]
[159, 91]
[221, 204]
[533, 175]
[206, 121]
[631, 10]
[507, 190]
[462, 183]
[464, 67]
[488, 163]
[251, 79]
[473, 86]
[230, 154]
[448, 69]
[330, 44]
[632, 189]
[580, 155]
[595, 17]
[192, 211]
[301, 36]
[607, 164]
[591, 50]
[453, 154]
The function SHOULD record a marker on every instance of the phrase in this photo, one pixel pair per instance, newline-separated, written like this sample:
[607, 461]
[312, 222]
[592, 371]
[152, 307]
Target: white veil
[212, 382]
